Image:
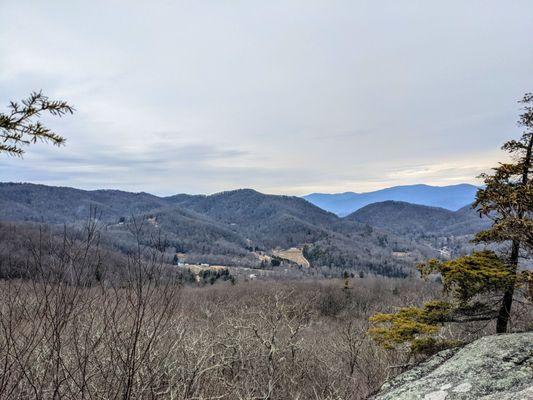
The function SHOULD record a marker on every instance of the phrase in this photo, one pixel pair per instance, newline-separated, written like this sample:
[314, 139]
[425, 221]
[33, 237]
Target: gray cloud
[282, 96]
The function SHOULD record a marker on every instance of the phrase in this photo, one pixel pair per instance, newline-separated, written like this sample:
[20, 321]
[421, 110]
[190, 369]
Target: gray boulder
[496, 367]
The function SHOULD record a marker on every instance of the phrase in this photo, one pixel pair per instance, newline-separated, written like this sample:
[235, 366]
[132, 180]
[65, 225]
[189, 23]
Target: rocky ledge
[496, 367]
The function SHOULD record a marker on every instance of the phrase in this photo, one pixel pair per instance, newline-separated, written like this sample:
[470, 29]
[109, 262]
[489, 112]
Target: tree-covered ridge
[414, 219]
[227, 228]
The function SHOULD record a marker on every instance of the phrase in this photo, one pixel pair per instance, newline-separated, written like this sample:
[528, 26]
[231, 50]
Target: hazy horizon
[233, 189]
[283, 97]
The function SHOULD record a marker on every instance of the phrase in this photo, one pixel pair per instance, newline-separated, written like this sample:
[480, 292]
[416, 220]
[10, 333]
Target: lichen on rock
[498, 367]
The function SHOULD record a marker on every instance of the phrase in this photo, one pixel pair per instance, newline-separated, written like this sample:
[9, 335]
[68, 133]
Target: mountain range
[244, 227]
[451, 197]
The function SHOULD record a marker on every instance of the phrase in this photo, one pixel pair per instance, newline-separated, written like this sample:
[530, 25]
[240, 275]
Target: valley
[281, 235]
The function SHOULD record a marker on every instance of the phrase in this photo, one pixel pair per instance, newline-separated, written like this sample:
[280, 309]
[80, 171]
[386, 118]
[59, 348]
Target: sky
[286, 97]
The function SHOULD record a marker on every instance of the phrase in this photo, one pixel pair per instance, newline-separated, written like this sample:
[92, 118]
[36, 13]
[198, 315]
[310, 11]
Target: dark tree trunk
[507, 301]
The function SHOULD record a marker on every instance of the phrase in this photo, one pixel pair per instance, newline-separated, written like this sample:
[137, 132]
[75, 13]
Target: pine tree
[20, 127]
[507, 199]
[475, 282]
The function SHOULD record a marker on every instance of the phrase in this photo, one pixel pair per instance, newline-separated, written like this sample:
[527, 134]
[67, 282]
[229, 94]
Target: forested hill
[251, 207]
[51, 204]
[237, 227]
[405, 218]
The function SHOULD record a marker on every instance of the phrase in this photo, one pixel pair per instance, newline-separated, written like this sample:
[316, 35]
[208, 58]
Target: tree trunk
[507, 301]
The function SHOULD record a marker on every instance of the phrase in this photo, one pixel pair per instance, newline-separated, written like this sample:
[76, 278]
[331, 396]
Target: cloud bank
[282, 96]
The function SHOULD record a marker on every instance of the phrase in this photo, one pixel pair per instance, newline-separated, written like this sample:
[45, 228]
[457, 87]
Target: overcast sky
[282, 96]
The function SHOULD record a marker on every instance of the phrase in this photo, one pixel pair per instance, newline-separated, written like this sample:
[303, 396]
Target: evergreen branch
[21, 127]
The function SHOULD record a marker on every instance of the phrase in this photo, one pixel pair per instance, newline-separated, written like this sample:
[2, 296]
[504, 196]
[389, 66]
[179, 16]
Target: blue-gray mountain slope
[451, 197]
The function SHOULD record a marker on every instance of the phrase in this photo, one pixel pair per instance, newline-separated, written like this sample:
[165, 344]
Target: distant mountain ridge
[451, 197]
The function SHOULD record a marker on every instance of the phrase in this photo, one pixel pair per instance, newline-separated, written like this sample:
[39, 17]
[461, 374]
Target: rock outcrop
[491, 368]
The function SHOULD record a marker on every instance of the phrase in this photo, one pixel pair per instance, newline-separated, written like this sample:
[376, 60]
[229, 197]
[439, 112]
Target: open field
[293, 254]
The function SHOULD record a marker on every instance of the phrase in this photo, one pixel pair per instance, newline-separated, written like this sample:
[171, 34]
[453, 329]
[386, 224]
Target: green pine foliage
[413, 328]
[20, 126]
[507, 197]
[209, 276]
[470, 276]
